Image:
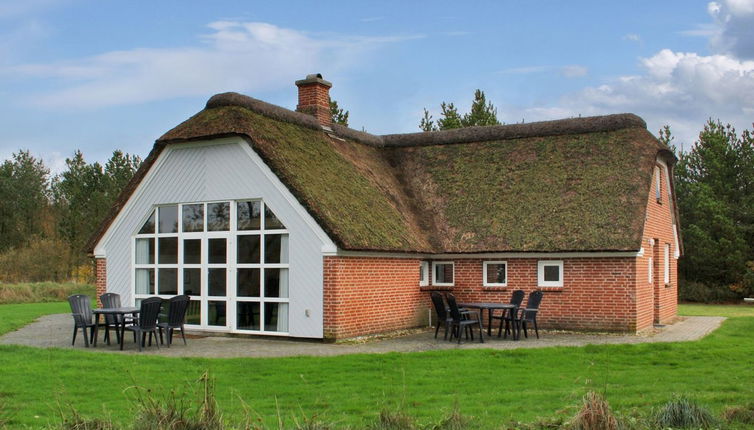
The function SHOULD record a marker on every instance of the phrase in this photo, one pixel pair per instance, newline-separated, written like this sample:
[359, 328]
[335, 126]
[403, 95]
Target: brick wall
[100, 273]
[658, 302]
[314, 99]
[366, 295]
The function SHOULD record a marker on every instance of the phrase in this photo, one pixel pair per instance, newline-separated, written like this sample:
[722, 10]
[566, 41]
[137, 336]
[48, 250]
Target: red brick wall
[314, 99]
[100, 273]
[366, 295]
[657, 302]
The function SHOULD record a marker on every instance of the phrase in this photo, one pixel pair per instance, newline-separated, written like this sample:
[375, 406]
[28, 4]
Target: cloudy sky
[102, 75]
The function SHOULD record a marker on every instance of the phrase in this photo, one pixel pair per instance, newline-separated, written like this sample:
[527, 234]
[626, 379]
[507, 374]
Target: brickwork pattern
[314, 99]
[100, 273]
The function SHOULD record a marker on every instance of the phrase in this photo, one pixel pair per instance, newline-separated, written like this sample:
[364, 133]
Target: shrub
[690, 291]
[595, 414]
[684, 413]
[39, 261]
[740, 414]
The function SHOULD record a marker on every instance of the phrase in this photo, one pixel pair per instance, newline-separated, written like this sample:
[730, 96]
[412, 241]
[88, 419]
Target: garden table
[490, 307]
[120, 318]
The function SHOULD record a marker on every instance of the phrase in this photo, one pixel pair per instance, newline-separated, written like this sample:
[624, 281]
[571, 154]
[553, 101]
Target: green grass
[38, 292]
[493, 387]
[716, 310]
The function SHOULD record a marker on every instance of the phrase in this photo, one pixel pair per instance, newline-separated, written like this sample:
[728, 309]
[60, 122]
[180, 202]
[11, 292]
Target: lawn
[493, 387]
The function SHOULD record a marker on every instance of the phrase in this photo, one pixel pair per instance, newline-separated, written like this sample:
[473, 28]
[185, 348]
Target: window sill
[553, 289]
[436, 288]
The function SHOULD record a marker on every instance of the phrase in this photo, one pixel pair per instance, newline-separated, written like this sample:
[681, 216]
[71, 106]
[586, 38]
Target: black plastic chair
[109, 301]
[463, 320]
[442, 314]
[176, 318]
[508, 316]
[529, 314]
[83, 318]
[147, 323]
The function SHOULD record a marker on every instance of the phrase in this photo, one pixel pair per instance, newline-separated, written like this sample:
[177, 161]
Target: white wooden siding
[223, 169]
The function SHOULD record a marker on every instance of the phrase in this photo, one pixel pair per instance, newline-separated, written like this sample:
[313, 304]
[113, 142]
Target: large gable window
[231, 257]
[550, 273]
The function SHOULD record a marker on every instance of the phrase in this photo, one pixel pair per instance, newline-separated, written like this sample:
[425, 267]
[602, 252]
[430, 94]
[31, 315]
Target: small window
[442, 273]
[550, 273]
[424, 273]
[495, 274]
[666, 262]
[650, 270]
[658, 184]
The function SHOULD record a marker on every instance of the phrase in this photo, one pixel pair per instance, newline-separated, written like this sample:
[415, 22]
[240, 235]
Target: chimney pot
[314, 98]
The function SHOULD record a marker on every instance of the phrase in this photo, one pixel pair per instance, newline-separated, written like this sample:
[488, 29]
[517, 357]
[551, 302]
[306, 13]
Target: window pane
[495, 273]
[193, 217]
[249, 215]
[148, 226]
[247, 315]
[248, 249]
[218, 216]
[192, 251]
[144, 281]
[270, 220]
[167, 281]
[248, 282]
[276, 283]
[168, 250]
[192, 282]
[216, 282]
[552, 273]
[276, 248]
[276, 316]
[168, 219]
[444, 273]
[194, 312]
[144, 251]
[216, 313]
[217, 251]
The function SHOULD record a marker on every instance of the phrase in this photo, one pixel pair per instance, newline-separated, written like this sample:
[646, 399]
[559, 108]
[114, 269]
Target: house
[280, 223]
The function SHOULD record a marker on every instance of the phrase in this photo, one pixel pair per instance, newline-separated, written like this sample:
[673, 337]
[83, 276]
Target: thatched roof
[578, 184]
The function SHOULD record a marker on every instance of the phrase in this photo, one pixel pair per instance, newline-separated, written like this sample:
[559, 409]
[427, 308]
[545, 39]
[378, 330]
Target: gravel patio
[55, 331]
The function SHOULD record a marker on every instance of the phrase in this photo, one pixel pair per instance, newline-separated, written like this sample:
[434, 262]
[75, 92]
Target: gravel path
[55, 331]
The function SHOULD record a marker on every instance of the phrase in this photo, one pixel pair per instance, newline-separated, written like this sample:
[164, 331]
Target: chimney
[314, 98]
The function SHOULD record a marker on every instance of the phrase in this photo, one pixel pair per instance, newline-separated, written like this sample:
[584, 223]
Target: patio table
[489, 307]
[122, 312]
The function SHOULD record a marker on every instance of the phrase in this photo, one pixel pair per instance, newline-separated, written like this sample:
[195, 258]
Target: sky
[98, 75]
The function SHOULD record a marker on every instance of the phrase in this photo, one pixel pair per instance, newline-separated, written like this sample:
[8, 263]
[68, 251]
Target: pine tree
[339, 116]
[482, 113]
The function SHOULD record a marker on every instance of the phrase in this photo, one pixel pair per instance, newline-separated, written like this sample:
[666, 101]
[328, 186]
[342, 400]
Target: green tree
[339, 116]
[24, 199]
[482, 113]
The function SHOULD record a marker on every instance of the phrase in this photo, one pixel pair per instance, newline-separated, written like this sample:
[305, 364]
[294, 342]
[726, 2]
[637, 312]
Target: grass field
[492, 387]
[40, 292]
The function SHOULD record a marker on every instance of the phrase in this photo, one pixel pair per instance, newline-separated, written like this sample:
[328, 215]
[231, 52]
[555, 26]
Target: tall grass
[684, 413]
[41, 292]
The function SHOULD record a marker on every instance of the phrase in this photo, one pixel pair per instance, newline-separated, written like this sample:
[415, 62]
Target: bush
[595, 414]
[684, 413]
[39, 261]
[690, 291]
[41, 292]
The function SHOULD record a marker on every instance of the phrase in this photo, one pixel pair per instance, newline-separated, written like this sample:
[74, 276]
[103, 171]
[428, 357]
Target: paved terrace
[56, 330]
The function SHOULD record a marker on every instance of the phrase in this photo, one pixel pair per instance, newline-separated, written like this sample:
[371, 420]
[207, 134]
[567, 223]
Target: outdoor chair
[109, 301]
[147, 322]
[83, 318]
[442, 313]
[176, 318]
[508, 316]
[529, 314]
[463, 320]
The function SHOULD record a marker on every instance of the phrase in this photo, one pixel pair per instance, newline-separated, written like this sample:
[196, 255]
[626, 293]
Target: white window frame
[541, 273]
[434, 273]
[658, 183]
[484, 274]
[666, 264]
[424, 273]
[650, 270]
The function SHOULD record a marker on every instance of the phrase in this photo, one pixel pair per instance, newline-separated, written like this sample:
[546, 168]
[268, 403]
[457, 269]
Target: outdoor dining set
[148, 318]
[514, 319]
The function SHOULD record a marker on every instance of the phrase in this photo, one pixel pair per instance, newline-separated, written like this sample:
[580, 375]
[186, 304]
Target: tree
[482, 113]
[24, 199]
[339, 116]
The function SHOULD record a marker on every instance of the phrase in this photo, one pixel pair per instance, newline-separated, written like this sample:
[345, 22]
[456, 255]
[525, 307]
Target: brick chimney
[314, 98]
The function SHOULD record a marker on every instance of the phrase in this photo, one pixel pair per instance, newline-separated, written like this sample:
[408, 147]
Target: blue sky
[105, 75]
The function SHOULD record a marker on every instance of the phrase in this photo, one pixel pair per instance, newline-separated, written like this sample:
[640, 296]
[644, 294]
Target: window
[650, 270]
[424, 273]
[495, 274]
[231, 257]
[550, 273]
[658, 182]
[666, 264]
[442, 273]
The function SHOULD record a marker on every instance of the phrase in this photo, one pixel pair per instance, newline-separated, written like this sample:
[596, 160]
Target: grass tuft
[739, 414]
[393, 420]
[684, 413]
[595, 414]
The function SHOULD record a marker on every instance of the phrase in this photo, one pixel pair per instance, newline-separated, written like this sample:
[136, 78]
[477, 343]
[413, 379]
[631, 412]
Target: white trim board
[489, 255]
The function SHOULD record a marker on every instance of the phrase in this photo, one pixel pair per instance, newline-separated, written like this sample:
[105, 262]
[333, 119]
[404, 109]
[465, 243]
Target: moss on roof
[579, 184]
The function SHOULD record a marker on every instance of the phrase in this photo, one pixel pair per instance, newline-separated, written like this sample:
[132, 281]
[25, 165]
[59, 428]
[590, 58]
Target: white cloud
[239, 56]
[734, 22]
[632, 37]
[573, 71]
[569, 71]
